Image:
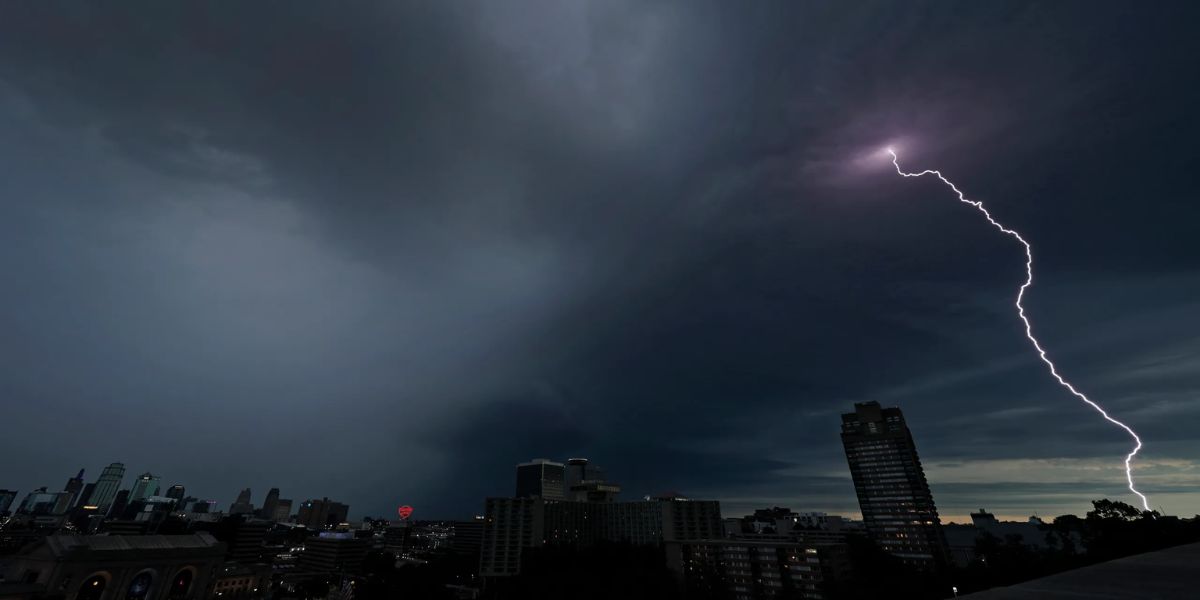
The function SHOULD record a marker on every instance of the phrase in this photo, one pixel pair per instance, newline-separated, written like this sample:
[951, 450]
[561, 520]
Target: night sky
[384, 254]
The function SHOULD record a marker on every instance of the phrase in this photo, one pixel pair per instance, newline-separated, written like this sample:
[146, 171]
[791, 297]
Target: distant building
[177, 493]
[119, 505]
[319, 514]
[283, 511]
[513, 524]
[41, 502]
[105, 490]
[541, 478]
[98, 567]
[894, 497]
[243, 537]
[74, 487]
[7, 497]
[242, 505]
[270, 504]
[85, 496]
[961, 539]
[144, 486]
[330, 552]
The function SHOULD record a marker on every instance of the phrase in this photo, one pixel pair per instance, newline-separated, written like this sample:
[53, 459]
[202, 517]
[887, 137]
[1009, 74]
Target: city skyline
[382, 255]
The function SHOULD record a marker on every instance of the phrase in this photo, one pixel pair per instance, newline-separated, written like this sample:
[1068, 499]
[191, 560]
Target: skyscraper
[107, 486]
[6, 499]
[145, 486]
[283, 510]
[74, 486]
[242, 505]
[85, 496]
[896, 503]
[318, 514]
[270, 504]
[540, 478]
[177, 492]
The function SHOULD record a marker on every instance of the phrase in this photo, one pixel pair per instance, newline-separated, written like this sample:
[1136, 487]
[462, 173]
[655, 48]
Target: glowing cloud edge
[1028, 326]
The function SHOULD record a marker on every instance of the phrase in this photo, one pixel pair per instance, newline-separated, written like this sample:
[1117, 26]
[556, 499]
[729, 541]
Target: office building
[242, 505]
[85, 496]
[119, 505]
[468, 536]
[270, 504]
[74, 487]
[7, 497]
[897, 506]
[243, 536]
[107, 486]
[514, 524]
[283, 511]
[177, 493]
[331, 552]
[319, 514]
[541, 478]
[144, 486]
[41, 502]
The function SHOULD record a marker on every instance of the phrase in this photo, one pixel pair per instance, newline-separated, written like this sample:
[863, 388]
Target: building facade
[97, 567]
[541, 478]
[897, 506]
[144, 486]
[748, 569]
[511, 525]
[107, 486]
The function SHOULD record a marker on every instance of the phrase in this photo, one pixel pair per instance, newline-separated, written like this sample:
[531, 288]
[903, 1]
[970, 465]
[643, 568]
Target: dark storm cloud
[386, 253]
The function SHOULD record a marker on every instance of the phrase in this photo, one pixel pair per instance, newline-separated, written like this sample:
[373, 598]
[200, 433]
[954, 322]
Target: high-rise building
[41, 502]
[6, 500]
[85, 496]
[144, 486]
[897, 506]
[513, 524]
[541, 478]
[74, 486]
[283, 511]
[106, 487]
[177, 493]
[242, 505]
[119, 503]
[270, 504]
[319, 514]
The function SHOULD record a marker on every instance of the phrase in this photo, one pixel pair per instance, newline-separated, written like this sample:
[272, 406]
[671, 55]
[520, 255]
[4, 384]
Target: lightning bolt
[1029, 327]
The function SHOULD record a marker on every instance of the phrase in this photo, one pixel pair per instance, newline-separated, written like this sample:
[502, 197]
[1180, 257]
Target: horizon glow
[1028, 326]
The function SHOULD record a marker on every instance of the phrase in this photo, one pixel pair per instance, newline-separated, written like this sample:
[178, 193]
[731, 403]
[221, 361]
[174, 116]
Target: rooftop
[1164, 575]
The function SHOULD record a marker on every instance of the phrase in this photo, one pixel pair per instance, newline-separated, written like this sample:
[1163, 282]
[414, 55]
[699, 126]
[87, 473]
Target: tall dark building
[119, 503]
[242, 505]
[541, 478]
[896, 503]
[269, 505]
[319, 514]
[105, 490]
[85, 495]
[74, 486]
[177, 493]
[6, 500]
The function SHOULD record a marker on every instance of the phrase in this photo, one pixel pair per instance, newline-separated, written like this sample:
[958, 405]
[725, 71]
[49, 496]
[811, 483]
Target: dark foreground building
[102, 567]
[897, 506]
